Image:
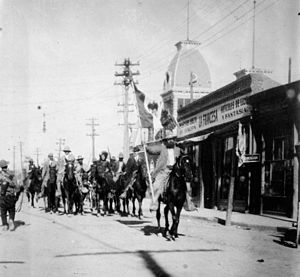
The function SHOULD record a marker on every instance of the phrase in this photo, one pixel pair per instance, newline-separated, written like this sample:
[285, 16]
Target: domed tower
[187, 78]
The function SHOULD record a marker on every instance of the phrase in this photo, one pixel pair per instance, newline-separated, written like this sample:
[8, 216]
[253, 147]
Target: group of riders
[69, 181]
[110, 177]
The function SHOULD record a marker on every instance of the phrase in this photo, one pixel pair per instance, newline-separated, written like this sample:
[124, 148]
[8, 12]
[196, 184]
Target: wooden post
[231, 191]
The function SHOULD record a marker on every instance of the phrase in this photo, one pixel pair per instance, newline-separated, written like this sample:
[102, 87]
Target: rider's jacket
[46, 170]
[103, 168]
[166, 157]
[8, 183]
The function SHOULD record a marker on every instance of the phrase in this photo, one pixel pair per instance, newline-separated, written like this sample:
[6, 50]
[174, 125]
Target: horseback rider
[80, 169]
[50, 162]
[119, 167]
[61, 168]
[103, 168]
[168, 152]
[9, 193]
[130, 169]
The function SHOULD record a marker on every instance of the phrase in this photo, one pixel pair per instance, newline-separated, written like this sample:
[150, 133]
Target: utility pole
[127, 80]
[253, 37]
[21, 157]
[60, 143]
[14, 159]
[37, 153]
[93, 134]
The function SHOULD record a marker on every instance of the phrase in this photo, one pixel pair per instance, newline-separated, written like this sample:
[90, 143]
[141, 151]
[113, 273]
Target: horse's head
[183, 166]
[52, 173]
[69, 173]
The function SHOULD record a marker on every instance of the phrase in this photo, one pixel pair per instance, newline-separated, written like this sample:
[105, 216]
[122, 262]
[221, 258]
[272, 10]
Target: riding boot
[188, 204]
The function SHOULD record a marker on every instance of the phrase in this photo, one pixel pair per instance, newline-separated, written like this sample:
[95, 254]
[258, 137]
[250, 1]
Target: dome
[187, 60]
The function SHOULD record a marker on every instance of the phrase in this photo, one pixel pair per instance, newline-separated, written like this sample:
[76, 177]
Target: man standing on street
[9, 191]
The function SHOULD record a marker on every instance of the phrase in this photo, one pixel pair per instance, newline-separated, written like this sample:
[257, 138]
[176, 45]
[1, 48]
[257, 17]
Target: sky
[58, 58]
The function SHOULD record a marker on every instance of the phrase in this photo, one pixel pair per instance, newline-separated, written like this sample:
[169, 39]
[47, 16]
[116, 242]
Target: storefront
[217, 132]
[276, 116]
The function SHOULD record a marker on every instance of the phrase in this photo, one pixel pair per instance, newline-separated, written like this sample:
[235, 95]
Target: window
[278, 166]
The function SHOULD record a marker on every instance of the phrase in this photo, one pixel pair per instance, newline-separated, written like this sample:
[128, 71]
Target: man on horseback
[119, 167]
[61, 168]
[130, 168]
[168, 153]
[50, 167]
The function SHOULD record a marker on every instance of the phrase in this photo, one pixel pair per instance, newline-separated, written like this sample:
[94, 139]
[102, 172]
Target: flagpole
[145, 152]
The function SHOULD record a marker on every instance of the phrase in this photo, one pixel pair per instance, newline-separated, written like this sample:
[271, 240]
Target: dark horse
[51, 189]
[102, 190]
[69, 187]
[35, 184]
[139, 188]
[175, 195]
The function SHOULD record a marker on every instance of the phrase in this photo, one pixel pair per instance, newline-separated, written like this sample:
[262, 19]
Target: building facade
[244, 133]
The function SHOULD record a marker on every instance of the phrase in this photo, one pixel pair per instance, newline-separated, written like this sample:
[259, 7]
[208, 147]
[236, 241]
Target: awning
[195, 139]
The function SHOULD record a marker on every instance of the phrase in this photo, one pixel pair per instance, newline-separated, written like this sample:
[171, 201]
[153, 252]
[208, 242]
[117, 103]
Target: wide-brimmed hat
[103, 153]
[121, 155]
[79, 158]
[3, 163]
[50, 155]
[67, 149]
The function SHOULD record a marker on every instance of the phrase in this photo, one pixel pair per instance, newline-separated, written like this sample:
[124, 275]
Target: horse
[101, 190]
[175, 195]
[35, 184]
[69, 187]
[120, 187]
[51, 189]
[139, 188]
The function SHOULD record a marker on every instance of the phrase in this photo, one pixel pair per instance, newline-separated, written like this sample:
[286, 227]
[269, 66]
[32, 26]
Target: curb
[221, 221]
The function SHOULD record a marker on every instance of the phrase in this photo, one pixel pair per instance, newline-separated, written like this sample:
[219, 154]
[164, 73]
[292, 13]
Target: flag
[145, 117]
[241, 145]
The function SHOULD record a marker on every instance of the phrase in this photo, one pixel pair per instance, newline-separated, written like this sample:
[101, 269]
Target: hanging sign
[251, 158]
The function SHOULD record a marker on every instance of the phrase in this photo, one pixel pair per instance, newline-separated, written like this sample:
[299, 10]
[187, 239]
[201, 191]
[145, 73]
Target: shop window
[278, 167]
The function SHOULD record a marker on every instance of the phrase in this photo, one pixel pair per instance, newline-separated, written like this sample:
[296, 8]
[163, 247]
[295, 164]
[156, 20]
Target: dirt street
[58, 245]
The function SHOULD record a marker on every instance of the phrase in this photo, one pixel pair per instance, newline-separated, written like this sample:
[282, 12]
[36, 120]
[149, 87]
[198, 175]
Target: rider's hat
[79, 158]
[67, 149]
[136, 149]
[121, 155]
[50, 155]
[3, 163]
[103, 153]
[30, 160]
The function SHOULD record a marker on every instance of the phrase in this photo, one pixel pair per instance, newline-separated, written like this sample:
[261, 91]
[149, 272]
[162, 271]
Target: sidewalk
[261, 222]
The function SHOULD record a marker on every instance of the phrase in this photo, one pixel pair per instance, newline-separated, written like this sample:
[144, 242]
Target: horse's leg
[158, 216]
[166, 211]
[178, 211]
[98, 203]
[133, 205]
[140, 199]
[174, 219]
[32, 198]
